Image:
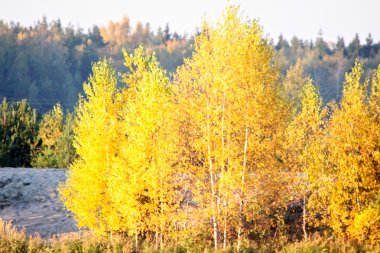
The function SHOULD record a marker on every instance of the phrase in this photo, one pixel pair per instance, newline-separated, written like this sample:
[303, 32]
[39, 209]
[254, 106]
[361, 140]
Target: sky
[301, 18]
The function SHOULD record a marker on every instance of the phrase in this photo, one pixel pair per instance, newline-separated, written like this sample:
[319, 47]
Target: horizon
[335, 22]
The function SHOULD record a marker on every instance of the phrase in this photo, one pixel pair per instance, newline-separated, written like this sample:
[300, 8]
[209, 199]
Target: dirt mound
[29, 198]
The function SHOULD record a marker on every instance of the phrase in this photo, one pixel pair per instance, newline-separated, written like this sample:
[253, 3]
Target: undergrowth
[16, 241]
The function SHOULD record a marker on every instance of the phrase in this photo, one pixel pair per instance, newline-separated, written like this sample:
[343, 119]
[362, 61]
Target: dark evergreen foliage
[326, 62]
[47, 63]
[18, 132]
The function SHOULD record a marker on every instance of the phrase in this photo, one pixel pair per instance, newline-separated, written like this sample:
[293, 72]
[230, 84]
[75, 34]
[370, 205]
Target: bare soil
[29, 198]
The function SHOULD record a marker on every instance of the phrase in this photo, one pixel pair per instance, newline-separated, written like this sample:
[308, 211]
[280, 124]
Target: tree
[301, 133]
[50, 131]
[366, 226]
[368, 50]
[145, 180]
[65, 144]
[18, 133]
[354, 48]
[230, 107]
[55, 149]
[340, 44]
[294, 81]
[282, 43]
[97, 137]
[123, 179]
[351, 188]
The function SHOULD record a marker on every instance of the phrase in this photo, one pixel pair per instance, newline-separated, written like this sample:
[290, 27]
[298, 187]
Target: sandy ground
[29, 198]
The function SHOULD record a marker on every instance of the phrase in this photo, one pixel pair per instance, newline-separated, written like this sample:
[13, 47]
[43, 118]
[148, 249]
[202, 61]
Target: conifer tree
[18, 132]
[65, 144]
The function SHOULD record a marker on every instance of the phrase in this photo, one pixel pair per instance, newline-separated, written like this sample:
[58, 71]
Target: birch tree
[97, 137]
[351, 151]
[301, 133]
[229, 91]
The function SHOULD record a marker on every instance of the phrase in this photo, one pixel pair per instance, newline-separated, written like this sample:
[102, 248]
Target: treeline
[217, 157]
[31, 140]
[325, 62]
[47, 63]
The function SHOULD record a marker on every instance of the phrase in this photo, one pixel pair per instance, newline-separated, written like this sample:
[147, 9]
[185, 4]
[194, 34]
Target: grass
[329, 245]
[16, 241]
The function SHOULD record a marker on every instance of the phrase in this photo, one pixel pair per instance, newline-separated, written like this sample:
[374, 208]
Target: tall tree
[97, 136]
[18, 131]
[348, 178]
[301, 133]
[124, 177]
[354, 48]
[229, 92]
[294, 82]
[145, 180]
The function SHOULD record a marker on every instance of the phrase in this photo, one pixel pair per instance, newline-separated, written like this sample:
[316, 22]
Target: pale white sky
[303, 18]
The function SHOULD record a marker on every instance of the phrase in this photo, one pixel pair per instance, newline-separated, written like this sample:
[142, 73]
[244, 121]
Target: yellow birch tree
[294, 81]
[144, 182]
[97, 137]
[352, 155]
[301, 133]
[230, 93]
[49, 133]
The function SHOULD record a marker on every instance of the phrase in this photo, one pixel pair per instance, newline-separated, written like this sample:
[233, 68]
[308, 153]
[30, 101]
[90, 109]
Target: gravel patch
[29, 198]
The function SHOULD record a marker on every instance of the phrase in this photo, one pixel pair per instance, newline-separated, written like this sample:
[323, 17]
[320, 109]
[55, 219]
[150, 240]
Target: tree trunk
[211, 174]
[156, 237]
[304, 218]
[136, 242]
[225, 228]
[162, 225]
[240, 226]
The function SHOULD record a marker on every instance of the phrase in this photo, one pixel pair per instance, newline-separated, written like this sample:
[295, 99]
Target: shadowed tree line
[29, 139]
[326, 62]
[47, 63]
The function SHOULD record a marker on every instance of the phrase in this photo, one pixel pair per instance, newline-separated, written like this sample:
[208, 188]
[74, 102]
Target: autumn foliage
[219, 153]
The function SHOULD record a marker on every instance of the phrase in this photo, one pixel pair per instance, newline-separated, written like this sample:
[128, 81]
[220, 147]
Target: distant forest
[47, 63]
